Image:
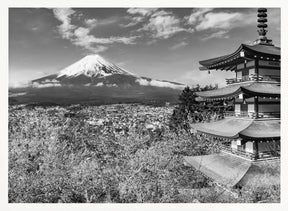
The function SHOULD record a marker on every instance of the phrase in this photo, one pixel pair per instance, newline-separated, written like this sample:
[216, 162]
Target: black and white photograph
[137, 105]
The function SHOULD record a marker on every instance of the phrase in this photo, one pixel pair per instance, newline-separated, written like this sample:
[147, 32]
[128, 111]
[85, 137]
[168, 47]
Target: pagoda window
[268, 72]
[234, 144]
[250, 64]
[269, 108]
[245, 72]
[240, 66]
[244, 107]
[267, 148]
[240, 145]
[239, 74]
[237, 108]
[251, 71]
[249, 147]
[251, 108]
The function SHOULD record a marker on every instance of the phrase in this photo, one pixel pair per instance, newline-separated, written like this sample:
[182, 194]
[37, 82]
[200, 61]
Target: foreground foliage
[117, 153]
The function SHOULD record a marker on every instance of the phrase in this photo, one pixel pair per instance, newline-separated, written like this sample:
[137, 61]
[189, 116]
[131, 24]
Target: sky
[160, 43]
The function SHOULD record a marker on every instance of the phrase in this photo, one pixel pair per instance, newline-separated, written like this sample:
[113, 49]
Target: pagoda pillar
[256, 107]
[256, 150]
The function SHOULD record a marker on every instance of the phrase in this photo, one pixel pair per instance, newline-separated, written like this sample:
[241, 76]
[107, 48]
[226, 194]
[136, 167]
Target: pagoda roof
[268, 50]
[222, 168]
[250, 88]
[262, 89]
[230, 170]
[234, 127]
[262, 174]
[262, 129]
[227, 127]
[244, 52]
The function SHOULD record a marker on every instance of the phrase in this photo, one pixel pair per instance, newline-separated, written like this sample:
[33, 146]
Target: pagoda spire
[262, 27]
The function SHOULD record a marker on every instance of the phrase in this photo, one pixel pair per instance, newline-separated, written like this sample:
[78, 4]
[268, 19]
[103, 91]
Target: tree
[192, 110]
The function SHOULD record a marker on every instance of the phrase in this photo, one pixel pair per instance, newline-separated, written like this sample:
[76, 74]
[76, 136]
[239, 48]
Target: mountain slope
[92, 66]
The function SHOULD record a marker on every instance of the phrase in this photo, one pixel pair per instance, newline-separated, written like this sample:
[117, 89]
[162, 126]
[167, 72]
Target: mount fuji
[94, 80]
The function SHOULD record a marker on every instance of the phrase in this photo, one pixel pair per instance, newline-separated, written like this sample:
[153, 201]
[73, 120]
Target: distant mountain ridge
[94, 70]
[93, 78]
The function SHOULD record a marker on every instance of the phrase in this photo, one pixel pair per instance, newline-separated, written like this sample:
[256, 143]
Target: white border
[137, 3]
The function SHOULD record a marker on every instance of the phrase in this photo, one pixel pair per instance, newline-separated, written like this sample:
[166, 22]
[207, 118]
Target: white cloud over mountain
[158, 83]
[45, 85]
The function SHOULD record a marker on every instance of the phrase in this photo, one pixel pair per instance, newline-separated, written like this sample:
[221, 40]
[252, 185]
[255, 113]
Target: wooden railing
[249, 155]
[252, 114]
[242, 153]
[252, 77]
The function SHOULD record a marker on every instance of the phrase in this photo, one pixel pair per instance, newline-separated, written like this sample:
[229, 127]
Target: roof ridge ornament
[262, 25]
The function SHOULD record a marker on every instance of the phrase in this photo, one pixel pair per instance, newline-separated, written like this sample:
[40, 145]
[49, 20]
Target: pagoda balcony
[252, 114]
[252, 77]
[249, 155]
[239, 152]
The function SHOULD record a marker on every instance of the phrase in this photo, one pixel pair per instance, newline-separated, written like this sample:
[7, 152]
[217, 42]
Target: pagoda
[249, 136]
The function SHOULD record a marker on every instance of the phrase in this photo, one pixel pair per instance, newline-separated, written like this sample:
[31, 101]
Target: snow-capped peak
[92, 66]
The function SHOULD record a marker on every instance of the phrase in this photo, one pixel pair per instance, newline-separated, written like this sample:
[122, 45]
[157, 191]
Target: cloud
[133, 21]
[138, 15]
[141, 11]
[164, 25]
[217, 24]
[111, 85]
[99, 84]
[165, 84]
[17, 94]
[91, 23]
[220, 20]
[179, 45]
[19, 84]
[81, 36]
[159, 24]
[35, 28]
[46, 85]
[161, 13]
[219, 34]
[157, 83]
[142, 82]
[63, 15]
[197, 15]
[51, 81]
